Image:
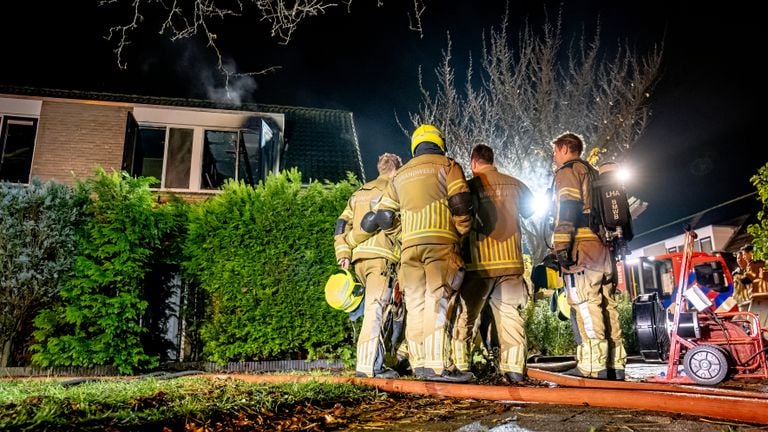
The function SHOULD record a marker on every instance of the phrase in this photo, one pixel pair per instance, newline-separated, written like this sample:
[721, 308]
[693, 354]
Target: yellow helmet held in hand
[563, 307]
[342, 292]
[427, 133]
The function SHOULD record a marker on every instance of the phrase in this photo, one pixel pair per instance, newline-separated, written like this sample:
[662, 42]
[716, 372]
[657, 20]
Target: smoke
[236, 88]
[197, 68]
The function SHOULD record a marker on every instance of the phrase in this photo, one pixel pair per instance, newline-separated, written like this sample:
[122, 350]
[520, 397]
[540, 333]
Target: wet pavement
[641, 371]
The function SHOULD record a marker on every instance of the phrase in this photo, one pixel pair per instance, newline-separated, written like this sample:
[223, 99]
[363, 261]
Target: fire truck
[660, 275]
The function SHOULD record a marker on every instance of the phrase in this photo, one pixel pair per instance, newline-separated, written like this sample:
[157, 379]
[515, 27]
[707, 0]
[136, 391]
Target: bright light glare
[624, 175]
[541, 203]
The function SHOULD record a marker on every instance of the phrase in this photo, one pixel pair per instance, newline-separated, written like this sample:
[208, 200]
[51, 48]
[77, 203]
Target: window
[200, 151]
[151, 147]
[17, 144]
[230, 155]
[179, 158]
[706, 244]
[710, 275]
[151, 157]
[667, 276]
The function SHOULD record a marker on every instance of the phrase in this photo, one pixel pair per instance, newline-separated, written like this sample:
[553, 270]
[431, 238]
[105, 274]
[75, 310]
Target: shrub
[548, 335]
[98, 320]
[37, 248]
[759, 231]
[263, 255]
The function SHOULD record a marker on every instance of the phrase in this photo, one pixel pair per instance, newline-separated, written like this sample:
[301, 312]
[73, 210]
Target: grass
[37, 405]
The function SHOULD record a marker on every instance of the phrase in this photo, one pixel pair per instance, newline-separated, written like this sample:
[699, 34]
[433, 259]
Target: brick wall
[77, 137]
[164, 197]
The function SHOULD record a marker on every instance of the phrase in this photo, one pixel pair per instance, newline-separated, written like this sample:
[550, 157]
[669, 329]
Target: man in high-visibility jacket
[432, 198]
[752, 284]
[494, 261]
[587, 265]
[373, 261]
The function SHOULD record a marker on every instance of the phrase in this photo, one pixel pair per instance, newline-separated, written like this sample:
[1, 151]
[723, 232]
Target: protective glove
[551, 262]
[564, 259]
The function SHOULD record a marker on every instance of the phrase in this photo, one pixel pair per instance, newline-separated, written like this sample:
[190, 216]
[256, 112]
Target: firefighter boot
[449, 375]
[514, 377]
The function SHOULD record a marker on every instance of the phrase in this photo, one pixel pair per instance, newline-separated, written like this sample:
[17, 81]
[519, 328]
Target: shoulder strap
[592, 171]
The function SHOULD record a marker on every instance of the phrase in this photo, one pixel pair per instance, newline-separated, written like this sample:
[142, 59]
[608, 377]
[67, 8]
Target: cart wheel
[706, 364]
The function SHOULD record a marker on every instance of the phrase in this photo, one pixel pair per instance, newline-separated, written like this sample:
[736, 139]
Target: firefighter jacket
[379, 245]
[420, 192]
[755, 278]
[572, 215]
[495, 242]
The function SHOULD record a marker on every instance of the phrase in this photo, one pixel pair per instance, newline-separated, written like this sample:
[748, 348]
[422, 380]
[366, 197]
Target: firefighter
[373, 261]
[752, 281]
[494, 262]
[587, 266]
[741, 290]
[432, 198]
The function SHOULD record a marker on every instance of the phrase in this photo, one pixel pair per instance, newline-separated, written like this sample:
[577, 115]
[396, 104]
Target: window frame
[35, 123]
[196, 160]
[201, 121]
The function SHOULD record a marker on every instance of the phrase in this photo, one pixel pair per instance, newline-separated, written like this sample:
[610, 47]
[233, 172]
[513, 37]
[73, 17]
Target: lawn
[183, 404]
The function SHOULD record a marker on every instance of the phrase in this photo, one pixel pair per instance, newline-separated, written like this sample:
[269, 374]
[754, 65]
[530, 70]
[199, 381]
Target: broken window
[230, 155]
[200, 158]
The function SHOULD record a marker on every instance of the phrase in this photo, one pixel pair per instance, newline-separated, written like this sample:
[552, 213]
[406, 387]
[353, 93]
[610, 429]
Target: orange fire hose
[738, 406]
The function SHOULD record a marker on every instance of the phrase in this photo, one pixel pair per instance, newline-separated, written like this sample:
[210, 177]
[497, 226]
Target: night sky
[700, 148]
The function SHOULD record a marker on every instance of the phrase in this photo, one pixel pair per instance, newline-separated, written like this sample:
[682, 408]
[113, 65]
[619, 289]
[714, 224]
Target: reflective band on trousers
[513, 359]
[592, 356]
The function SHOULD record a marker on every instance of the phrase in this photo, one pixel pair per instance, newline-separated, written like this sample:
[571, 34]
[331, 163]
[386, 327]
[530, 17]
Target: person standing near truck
[587, 265]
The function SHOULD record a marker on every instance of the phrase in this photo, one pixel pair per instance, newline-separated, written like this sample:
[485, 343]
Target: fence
[239, 367]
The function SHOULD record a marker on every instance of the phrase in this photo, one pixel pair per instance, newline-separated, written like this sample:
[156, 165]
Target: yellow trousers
[597, 316]
[374, 273]
[429, 277]
[505, 295]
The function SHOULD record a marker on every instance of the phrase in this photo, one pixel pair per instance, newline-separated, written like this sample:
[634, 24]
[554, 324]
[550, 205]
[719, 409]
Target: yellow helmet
[427, 133]
[342, 292]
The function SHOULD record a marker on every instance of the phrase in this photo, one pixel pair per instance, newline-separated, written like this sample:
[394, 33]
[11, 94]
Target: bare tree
[530, 91]
[185, 19]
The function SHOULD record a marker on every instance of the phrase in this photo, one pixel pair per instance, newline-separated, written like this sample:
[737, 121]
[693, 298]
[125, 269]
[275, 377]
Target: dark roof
[321, 143]
[738, 212]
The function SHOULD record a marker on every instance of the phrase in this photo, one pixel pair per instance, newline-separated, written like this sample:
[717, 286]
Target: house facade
[191, 146]
[709, 239]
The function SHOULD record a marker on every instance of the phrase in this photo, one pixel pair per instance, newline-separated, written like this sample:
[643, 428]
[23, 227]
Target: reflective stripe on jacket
[420, 192]
[495, 245]
[573, 187]
[377, 246]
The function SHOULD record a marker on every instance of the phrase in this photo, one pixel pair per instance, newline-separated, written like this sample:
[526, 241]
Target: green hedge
[37, 249]
[260, 257]
[98, 318]
[263, 255]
